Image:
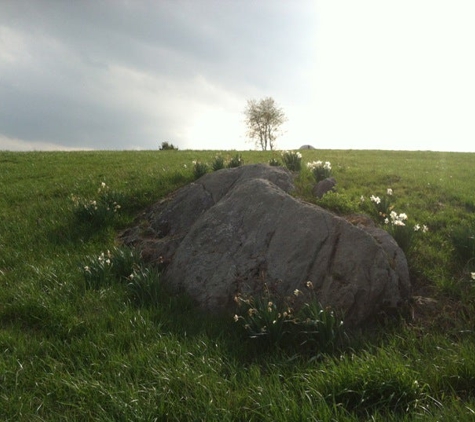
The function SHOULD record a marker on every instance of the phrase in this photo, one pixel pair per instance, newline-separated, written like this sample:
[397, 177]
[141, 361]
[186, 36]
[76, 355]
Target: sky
[129, 75]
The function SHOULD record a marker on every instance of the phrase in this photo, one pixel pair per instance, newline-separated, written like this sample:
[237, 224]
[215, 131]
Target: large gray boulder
[236, 229]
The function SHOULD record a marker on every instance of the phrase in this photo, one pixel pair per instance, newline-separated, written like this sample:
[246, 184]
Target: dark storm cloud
[73, 72]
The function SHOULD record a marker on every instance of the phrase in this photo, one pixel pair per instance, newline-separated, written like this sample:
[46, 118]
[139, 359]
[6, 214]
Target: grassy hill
[70, 350]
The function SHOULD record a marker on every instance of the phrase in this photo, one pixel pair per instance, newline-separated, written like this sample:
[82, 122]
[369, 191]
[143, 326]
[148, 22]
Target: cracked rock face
[234, 230]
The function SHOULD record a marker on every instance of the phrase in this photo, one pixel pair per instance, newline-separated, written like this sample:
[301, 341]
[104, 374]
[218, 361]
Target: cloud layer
[132, 74]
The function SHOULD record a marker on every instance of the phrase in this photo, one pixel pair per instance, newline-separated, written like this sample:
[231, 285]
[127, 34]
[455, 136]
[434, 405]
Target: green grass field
[72, 352]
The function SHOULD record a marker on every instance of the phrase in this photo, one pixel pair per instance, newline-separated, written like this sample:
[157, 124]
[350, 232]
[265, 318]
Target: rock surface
[234, 230]
[324, 186]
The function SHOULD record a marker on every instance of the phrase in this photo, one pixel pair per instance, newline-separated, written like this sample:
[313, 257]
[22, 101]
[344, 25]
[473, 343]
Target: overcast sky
[118, 74]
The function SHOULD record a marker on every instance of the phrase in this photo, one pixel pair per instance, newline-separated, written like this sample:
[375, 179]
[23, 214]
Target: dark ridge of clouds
[174, 38]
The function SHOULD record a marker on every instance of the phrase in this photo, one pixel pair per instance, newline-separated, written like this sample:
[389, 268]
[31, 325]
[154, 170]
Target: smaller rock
[307, 147]
[324, 186]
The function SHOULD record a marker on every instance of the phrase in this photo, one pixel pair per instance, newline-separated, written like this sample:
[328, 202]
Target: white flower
[417, 227]
[389, 191]
[87, 269]
[296, 292]
[386, 221]
[236, 318]
[185, 166]
[402, 216]
[327, 165]
[398, 223]
[425, 229]
[375, 199]
[309, 284]
[317, 164]
[472, 275]
[362, 198]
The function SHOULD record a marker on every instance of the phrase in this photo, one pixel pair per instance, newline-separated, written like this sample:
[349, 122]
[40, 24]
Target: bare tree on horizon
[263, 121]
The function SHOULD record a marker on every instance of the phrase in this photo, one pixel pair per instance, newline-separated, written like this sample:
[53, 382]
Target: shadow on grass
[73, 232]
[33, 316]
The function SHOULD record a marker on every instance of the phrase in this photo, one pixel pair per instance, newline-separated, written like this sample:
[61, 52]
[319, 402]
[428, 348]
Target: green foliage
[339, 203]
[277, 322]
[108, 267]
[405, 234]
[167, 146]
[463, 239]
[274, 162]
[264, 319]
[199, 169]
[100, 211]
[292, 160]
[144, 287]
[320, 170]
[320, 327]
[380, 383]
[397, 225]
[235, 161]
[380, 207]
[124, 266]
[218, 163]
